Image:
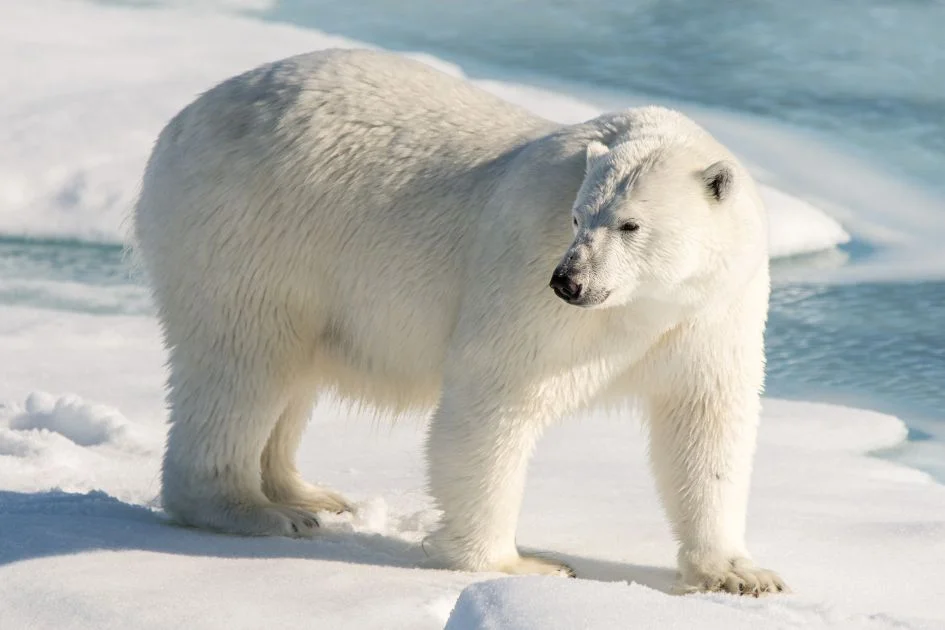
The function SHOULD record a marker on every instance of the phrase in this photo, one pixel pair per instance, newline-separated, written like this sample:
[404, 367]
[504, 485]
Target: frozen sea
[837, 108]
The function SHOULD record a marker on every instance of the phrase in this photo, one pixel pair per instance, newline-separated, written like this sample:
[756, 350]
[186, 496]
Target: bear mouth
[586, 300]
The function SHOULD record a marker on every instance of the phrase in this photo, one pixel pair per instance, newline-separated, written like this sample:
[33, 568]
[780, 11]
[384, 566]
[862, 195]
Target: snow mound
[70, 444]
[862, 432]
[545, 603]
[796, 227]
[83, 423]
[76, 132]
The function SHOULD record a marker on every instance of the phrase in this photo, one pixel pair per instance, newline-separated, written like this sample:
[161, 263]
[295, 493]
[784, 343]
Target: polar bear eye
[630, 226]
[574, 220]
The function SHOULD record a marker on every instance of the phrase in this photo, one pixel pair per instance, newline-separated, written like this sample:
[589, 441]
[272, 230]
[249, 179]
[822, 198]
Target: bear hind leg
[222, 414]
[281, 482]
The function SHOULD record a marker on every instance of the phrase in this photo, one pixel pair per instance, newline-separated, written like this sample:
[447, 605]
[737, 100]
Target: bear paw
[310, 498]
[295, 523]
[739, 576]
[247, 518]
[533, 565]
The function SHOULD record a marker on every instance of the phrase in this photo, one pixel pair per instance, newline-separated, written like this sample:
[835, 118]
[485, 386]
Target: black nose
[564, 287]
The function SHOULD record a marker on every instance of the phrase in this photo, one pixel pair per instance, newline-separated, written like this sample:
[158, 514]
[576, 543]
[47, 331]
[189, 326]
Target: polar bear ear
[595, 151]
[719, 179]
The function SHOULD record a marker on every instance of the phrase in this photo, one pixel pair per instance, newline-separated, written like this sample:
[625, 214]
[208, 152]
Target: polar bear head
[666, 220]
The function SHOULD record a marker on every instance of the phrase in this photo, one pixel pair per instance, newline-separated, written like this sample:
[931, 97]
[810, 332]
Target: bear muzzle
[575, 293]
[565, 287]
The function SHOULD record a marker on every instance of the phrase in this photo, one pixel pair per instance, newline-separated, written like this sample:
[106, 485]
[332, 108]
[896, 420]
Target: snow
[796, 227]
[541, 603]
[77, 129]
[84, 545]
[73, 419]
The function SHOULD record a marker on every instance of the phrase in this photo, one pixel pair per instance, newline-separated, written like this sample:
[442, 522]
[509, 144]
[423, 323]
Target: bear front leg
[702, 430]
[477, 450]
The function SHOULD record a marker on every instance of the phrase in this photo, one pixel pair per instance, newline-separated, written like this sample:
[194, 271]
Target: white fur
[356, 222]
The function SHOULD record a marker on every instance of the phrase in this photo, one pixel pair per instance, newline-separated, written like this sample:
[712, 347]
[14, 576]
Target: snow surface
[81, 113]
[82, 544]
[541, 603]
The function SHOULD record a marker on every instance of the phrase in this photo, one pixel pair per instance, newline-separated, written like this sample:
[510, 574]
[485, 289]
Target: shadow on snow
[37, 525]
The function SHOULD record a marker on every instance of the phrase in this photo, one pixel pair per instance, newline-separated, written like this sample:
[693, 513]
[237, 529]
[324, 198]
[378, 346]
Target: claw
[739, 579]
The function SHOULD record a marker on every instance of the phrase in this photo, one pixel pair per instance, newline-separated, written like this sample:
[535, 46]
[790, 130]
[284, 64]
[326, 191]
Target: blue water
[875, 345]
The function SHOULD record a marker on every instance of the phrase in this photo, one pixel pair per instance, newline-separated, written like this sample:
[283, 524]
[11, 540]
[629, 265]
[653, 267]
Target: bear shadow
[44, 524]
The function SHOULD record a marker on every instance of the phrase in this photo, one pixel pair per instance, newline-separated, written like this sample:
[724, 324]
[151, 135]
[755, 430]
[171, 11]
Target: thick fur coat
[354, 222]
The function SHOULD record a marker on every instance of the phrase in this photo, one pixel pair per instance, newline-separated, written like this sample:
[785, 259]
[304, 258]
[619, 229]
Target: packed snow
[539, 603]
[83, 543]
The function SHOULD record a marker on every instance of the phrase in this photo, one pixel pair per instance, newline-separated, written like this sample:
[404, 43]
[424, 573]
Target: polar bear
[357, 223]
